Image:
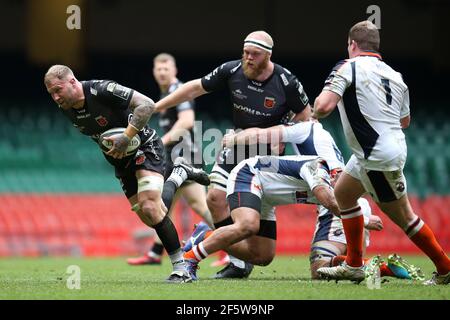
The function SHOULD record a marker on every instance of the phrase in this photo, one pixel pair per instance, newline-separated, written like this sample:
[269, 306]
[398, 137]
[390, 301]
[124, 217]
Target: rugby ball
[106, 145]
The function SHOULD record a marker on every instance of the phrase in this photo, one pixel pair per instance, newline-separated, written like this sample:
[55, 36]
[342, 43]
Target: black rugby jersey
[106, 106]
[258, 104]
[168, 117]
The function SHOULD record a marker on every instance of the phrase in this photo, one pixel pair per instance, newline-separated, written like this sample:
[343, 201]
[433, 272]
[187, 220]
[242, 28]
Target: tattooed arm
[143, 108]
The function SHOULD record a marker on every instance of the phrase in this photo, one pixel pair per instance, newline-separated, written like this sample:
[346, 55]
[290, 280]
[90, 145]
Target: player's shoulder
[94, 87]
[285, 75]
[342, 64]
[231, 66]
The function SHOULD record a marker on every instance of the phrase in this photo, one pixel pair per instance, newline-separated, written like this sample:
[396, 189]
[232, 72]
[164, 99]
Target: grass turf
[287, 278]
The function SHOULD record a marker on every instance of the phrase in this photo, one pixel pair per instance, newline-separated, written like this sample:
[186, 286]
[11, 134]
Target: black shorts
[149, 156]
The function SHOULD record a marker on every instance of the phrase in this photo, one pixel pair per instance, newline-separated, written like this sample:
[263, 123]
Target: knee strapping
[150, 183]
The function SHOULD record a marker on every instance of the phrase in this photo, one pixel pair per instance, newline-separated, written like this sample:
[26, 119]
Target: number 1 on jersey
[385, 83]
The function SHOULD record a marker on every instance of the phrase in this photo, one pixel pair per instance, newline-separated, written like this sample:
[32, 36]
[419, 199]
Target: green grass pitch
[287, 278]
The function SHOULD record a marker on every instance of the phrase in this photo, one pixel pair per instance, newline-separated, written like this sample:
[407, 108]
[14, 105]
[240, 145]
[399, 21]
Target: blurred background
[57, 194]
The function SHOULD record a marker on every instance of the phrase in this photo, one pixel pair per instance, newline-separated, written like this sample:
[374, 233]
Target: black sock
[168, 234]
[168, 193]
[157, 249]
[223, 223]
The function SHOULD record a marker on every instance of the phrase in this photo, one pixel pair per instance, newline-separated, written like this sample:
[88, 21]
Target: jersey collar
[370, 54]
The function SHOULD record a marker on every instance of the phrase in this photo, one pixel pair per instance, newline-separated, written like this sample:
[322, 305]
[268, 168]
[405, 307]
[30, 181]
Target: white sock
[177, 260]
[237, 262]
[178, 176]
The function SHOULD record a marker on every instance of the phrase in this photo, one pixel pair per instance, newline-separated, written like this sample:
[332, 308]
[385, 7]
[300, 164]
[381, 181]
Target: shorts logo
[140, 160]
[269, 102]
[400, 186]
[257, 186]
[101, 120]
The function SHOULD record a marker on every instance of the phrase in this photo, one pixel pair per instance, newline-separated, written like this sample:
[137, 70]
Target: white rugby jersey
[310, 138]
[374, 99]
[280, 180]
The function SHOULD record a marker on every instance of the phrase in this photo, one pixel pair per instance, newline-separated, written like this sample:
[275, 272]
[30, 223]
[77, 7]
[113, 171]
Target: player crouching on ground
[254, 188]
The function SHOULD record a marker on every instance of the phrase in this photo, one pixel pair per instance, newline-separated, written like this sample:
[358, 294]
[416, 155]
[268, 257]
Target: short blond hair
[58, 71]
[164, 57]
[366, 35]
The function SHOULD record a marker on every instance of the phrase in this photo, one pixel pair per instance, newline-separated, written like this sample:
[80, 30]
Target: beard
[256, 70]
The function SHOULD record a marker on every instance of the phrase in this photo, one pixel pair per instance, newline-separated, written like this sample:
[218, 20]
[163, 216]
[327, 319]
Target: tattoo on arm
[143, 108]
[121, 143]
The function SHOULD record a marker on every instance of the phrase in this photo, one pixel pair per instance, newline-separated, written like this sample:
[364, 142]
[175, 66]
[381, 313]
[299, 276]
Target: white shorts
[383, 186]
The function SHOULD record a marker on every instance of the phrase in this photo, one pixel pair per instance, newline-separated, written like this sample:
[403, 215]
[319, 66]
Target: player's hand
[228, 140]
[120, 145]
[375, 223]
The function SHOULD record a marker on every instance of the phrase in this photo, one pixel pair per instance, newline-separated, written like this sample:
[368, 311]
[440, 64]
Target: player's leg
[325, 254]
[218, 206]
[388, 189]
[260, 248]
[419, 232]
[328, 242]
[246, 224]
[347, 191]
[195, 196]
[148, 207]
[179, 174]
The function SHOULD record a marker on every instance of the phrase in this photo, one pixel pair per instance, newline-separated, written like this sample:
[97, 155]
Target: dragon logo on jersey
[269, 102]
[101, 120]
[140, 160]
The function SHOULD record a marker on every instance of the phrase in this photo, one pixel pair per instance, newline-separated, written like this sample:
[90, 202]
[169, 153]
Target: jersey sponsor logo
[257, 186]
[81, 128]
[83, 116]
[93, 91]
[284, 79]
[238, 94]
[235, 68]
[111, 87]
[256, 83]
[338, 232]
[250, 110]
[211, 74]
[101, 120]
[121, 92]
[287, 71]
[269, 102]
[255, 88]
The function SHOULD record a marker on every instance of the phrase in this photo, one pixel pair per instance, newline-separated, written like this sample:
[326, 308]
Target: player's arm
[338, 81]
[324, 194]
[143, 108]
[325, 103]
[254, 135]
[187, 92]
[297, 100]
[184, 122]
[405, 117]
[404, 122]
[304, 115]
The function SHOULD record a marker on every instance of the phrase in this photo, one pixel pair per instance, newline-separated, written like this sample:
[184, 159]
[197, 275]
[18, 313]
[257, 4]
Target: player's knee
[264, 261]
[150, 208]
[247, 228]
[197, 206]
